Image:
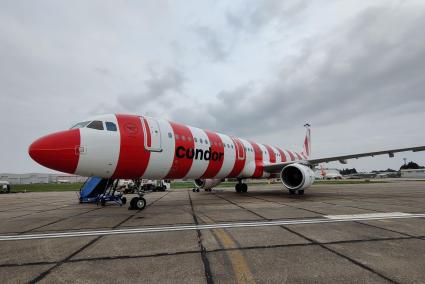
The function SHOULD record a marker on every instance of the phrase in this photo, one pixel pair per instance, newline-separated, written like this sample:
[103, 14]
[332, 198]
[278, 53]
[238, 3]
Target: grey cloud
[365, 76]
[155, 88]
[365, 66]
[255, 17]
[212, 44]
[102, 71]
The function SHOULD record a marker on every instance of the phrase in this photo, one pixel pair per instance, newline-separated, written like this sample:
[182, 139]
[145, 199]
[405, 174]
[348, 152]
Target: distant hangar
[40, 178]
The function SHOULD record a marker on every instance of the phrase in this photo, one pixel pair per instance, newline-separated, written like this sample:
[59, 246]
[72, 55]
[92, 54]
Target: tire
[133, 202]
[301, 192]
[244, 188]
[238, 188]
[291, 191]
[141, 203]
[123, 200]
[102, 202]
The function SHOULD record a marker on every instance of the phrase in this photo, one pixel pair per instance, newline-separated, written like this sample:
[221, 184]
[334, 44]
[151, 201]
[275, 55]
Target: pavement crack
[203, 251]
[317, 243]
[222, 249]
[66, 259]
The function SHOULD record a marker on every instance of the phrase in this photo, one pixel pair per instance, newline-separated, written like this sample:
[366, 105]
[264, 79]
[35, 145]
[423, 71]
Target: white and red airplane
[122, 146]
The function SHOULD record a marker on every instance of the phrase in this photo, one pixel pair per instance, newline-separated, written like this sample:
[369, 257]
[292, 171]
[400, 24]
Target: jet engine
[207, 184]
[297, 177]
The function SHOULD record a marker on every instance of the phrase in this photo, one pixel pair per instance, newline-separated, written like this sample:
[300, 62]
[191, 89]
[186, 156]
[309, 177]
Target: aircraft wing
[274, 168]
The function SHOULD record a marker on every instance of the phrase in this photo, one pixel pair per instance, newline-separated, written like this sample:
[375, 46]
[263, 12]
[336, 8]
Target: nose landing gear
[137, 203]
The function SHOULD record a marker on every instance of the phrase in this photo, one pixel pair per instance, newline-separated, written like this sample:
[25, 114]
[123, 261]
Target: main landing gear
[241, 187]
[299, 192]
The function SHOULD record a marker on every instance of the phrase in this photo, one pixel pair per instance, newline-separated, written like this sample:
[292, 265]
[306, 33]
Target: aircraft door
[152, 134]
[239, 149]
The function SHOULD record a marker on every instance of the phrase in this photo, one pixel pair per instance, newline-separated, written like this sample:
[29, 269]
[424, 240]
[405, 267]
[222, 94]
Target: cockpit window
[80, 124]
[110, 126]
[96, 124]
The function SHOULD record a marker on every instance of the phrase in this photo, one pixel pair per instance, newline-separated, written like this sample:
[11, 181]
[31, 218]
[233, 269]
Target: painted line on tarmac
[357, 217]
[368, 215]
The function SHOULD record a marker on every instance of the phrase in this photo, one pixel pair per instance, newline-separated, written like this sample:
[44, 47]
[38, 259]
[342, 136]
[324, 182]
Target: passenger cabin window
[96, 124]
[110, 126]
[80, 125]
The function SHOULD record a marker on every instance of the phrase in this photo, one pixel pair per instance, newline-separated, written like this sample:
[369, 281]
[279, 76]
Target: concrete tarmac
[287, 238]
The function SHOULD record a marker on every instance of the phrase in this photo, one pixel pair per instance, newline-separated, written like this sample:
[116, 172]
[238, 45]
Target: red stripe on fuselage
[291, 155]
[258, 161]
[272, 155]
[299, 156]
[181, 165]
[134, 158]
[239, 163]
[282, 155]
[216, 157]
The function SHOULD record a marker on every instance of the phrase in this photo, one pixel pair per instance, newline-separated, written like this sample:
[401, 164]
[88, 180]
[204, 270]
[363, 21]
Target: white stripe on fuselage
[160, 162]
[101, 149]
[199, 165]
[249, 167]
[229, 157]
[266, 157]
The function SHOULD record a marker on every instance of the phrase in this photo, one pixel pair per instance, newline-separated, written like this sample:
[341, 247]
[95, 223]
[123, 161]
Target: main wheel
[102, 202]
[238, 187]
[141, 203]
[244, 187]
[123, 200]
[292, 191]
[301, 192]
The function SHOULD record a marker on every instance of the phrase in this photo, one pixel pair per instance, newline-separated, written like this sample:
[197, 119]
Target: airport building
[413, 173]
[40, 178]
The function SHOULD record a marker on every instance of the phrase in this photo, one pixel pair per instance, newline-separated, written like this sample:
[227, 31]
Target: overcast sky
[255, 69]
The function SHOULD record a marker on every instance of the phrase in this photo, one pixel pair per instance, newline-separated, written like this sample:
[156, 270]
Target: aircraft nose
[57, 151]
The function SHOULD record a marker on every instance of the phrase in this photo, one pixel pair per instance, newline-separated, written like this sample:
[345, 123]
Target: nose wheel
[137, 203]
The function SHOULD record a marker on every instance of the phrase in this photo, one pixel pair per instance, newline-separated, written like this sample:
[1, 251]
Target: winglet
[307, 142]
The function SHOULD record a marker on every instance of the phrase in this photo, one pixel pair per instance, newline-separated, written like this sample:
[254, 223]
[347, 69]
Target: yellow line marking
[240, 267]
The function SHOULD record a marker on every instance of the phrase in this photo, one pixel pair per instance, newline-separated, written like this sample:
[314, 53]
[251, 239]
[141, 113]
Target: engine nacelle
[297, 176]
[207, 183]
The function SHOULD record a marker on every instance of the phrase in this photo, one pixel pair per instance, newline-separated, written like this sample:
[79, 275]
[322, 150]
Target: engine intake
[297, 176]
